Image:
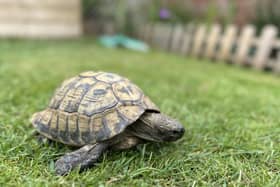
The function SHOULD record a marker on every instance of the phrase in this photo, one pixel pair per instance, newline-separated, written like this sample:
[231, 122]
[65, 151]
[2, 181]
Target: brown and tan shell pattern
[91, 107]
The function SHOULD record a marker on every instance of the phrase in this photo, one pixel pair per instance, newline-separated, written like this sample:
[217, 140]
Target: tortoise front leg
[83, 158]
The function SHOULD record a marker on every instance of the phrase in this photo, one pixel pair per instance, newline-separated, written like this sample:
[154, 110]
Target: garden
[231, 117]
[213, 66]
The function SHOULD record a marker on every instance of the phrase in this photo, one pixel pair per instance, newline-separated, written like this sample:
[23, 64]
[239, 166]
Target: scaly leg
[41, 139]
[83, 158]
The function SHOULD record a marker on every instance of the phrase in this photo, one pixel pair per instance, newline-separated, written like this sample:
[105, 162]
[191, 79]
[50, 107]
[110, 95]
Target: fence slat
[176, 41]
[148, 33]
[212, 40]
[244, 43]
[167, 34]
[155, 35]
[226, 43]
[198, 40]
[187, 38]
[161, 36]
[264, 47]
[140, 33]
[276, 67]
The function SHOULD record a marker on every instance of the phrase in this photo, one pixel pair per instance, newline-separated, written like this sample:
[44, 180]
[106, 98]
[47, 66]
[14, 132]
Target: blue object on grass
[123, 41]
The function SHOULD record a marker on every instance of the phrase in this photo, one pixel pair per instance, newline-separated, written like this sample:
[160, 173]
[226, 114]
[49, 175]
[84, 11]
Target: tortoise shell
[91, 107]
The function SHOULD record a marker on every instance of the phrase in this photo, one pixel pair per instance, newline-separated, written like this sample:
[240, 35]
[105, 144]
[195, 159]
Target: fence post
[161, 35]
[187, 38]
[264, 47]
[226, 43]
[176, 41]
[211, 41]
[148, 33]
[244, 43]
[140, 33]
[155, 37]
[198, 40]
[166, 36]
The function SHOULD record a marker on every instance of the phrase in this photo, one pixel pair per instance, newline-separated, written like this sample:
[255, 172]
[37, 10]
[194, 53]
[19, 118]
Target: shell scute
[89, 74]
[127, 92]
[108, 77]
[72, 99]
[97, 100]
[62, 91]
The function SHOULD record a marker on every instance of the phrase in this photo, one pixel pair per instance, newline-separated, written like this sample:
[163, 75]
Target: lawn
[231, 116]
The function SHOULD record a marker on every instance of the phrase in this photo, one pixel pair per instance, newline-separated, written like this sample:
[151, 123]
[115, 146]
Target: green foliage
[99, 10]
[89, 5]
[180, 13]
[213, 14]
[231, 117]
[154, 11]
[183, 12]
[268, 14]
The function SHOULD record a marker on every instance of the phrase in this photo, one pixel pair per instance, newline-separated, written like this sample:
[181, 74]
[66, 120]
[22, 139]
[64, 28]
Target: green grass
[231, 117]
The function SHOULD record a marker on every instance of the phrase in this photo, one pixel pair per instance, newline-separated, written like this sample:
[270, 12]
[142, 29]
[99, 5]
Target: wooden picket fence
[229, 45]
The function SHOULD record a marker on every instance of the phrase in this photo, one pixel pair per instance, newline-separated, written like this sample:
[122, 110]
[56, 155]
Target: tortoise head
[166, 128]
[158, 127]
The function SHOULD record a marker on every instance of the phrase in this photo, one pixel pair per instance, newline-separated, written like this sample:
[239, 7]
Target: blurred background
[127, 15]
[72, 18]
[244, 32]
[231, 114]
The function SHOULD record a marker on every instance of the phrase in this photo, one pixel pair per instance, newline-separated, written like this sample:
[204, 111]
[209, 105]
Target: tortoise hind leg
[83, 158]
[41, 139]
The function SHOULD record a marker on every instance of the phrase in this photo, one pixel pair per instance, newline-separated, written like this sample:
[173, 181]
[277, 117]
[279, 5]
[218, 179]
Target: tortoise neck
[145, 129]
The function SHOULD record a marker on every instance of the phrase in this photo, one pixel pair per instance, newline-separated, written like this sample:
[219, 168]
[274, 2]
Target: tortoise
[98, 111]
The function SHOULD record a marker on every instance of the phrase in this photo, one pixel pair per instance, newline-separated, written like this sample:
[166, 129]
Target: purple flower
[164, 13]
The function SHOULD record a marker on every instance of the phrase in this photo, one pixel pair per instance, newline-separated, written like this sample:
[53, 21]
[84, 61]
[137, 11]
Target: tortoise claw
[62, 168]
[66, 163]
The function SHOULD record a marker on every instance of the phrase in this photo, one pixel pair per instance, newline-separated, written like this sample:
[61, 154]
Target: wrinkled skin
[155, 127]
